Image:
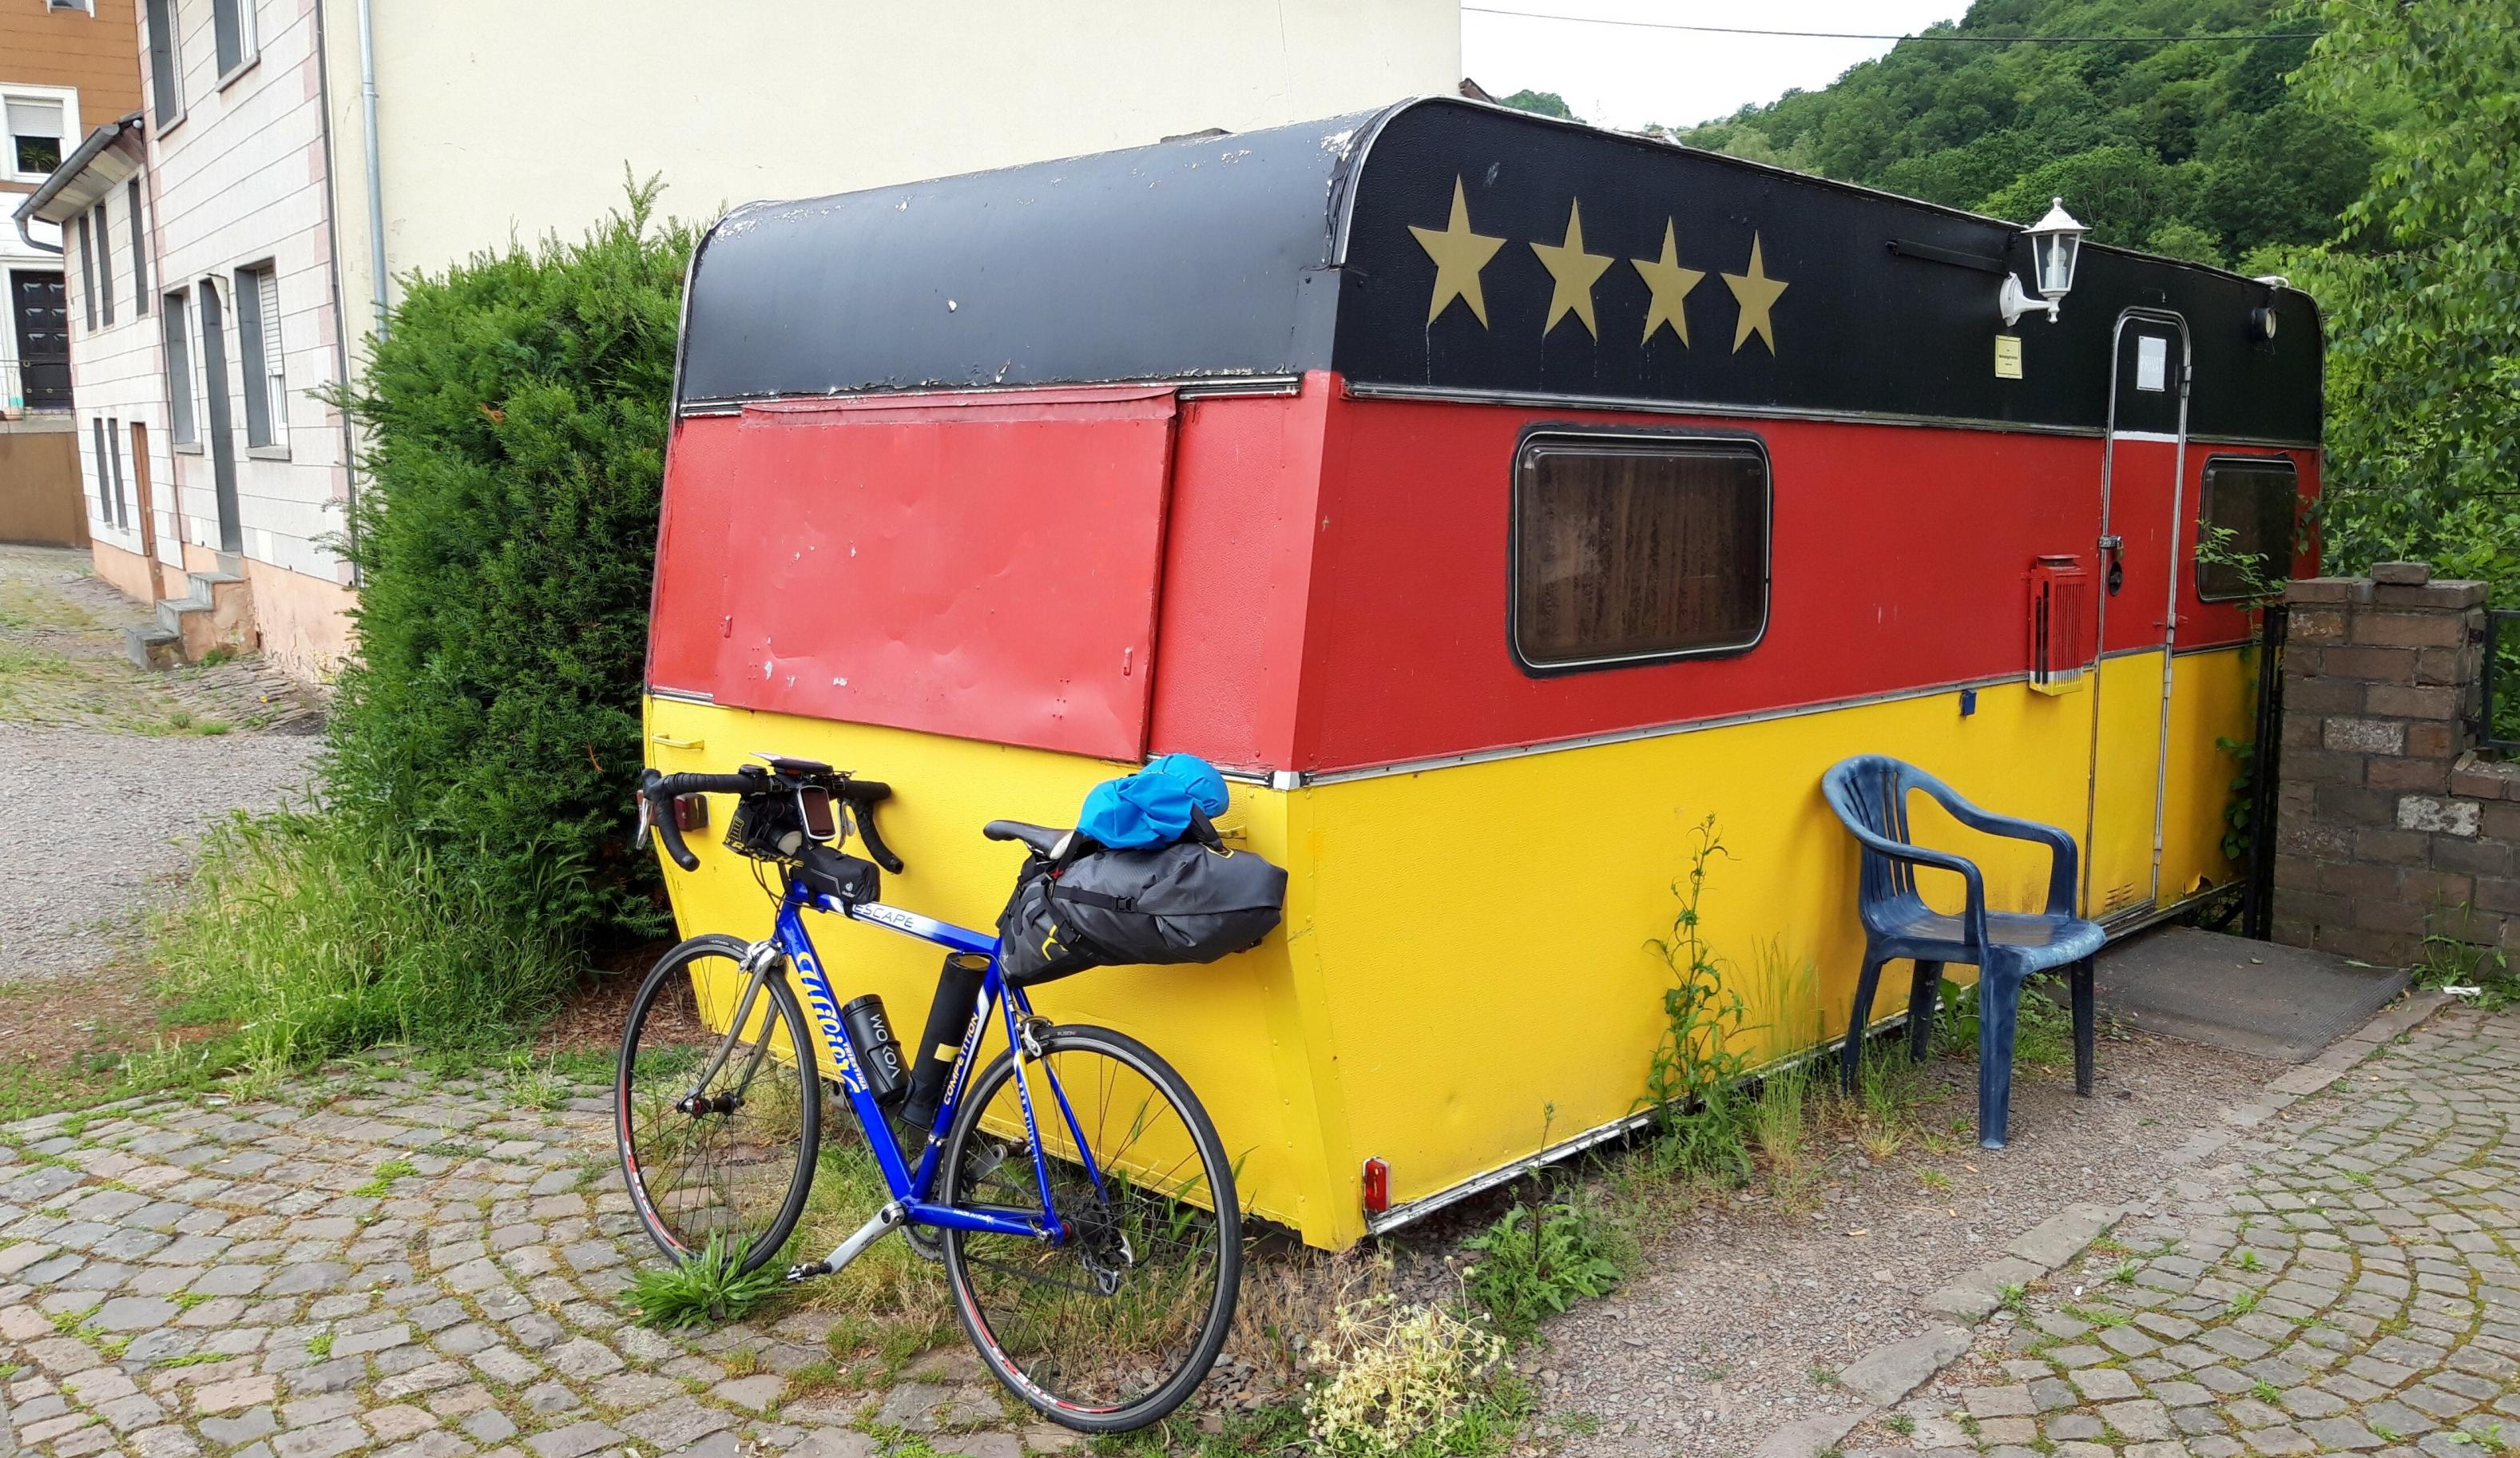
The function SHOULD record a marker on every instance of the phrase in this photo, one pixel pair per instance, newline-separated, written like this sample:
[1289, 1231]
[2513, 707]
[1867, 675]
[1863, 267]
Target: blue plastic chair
[1869, 793]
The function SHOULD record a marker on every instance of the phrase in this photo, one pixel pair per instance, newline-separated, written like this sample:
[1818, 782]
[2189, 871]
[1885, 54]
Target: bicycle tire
[672, 971]
[1169, 1393]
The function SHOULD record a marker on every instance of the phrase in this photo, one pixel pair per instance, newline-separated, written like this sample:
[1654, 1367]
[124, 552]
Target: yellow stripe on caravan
[1464, 975]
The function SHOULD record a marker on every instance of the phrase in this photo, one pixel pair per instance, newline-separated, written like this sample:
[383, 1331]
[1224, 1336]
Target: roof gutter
[71, 165]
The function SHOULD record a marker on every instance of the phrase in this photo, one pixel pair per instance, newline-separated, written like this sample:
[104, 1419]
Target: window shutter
[35, 119]
[104, 263]
[274, 366]
[179, 369]
[139, 250]
[165, 85]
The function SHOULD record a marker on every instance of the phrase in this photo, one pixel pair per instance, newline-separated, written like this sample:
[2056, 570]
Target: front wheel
[730, 1161]
[1112, 1329]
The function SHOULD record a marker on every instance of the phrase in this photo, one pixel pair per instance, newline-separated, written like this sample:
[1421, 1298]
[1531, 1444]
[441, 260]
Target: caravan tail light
[1377, 1187]
[2061, 592]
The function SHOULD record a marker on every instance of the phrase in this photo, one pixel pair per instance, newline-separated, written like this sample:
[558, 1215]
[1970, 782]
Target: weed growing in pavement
[1695, 1083]
[1934, 1179]
[1538, 1261]
[320, 1345]
[708, 1285]
[2124, 1273]
[1406, 1380]
[2242, 1304]
[387, 1173]
[311, 938]
[2014, 1297]
[2266, 1392]
[1901, 1424]
[2248, 1260]
[2042, 1034]
[1823, 1376]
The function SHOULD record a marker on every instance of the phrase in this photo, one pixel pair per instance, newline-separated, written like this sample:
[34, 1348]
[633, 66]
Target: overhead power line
[1954, 36]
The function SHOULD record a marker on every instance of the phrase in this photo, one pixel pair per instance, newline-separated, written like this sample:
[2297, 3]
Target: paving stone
[572, 1441]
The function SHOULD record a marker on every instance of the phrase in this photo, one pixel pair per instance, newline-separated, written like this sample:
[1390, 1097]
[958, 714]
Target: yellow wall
[1464, 975]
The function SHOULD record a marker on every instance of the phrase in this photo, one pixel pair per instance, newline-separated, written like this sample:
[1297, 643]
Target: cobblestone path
[2344, 1285]
[420, 1270]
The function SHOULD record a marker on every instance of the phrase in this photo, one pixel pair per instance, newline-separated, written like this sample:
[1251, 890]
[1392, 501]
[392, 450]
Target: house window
[139, 250]
[165, 74]
[84, 7]
[266, 386]
[104, 263]
[2257, 500]
[179, 369]
[231, 32]
[1628, 548]
[35, 129]
[105, 493]
[87, 269]
[113, 453]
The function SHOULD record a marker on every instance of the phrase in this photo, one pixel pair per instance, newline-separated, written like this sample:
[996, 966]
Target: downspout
[376, 168]
[333, 276]
[29, 239]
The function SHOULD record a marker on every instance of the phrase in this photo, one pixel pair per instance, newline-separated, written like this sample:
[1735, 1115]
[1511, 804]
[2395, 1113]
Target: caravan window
[2256, 498]
[1634, 547]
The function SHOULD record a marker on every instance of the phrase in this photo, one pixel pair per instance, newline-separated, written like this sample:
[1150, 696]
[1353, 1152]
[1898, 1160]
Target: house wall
[116, 377]
[83, 60]
[240, 179]
[762, 101]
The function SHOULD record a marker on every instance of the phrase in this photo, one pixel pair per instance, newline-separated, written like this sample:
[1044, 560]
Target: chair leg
[1998, 1004]
[1924, 996]
[2086, 1029]
[1851, 1057]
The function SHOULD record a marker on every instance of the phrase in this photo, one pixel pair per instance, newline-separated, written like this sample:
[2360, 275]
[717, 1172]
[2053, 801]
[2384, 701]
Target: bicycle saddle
[1042, 840]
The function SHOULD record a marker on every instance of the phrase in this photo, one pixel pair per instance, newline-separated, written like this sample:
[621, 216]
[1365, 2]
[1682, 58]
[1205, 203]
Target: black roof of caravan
[1316, 245]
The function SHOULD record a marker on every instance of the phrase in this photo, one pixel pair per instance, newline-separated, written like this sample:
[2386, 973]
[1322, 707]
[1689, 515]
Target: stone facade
[2389, 826]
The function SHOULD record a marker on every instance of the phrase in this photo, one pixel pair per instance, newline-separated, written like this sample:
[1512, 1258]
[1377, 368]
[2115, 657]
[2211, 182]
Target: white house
[294, 156]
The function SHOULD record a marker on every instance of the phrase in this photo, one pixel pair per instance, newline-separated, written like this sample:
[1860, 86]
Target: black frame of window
[262, 426]
[1728, 442]
[2257, 465]
[87, 272]
[103, 260]
[165, 85]
[175, 317]
[139, 252]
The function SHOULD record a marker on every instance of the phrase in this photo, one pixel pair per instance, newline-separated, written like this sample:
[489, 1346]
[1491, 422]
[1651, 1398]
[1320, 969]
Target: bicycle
[1095, 1269]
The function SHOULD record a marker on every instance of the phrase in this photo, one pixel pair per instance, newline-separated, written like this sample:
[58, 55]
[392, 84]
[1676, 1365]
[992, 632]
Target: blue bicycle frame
[911, 1188]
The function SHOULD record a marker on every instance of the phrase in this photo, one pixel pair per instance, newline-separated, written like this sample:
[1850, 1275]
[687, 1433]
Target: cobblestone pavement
[419, 1269]
[2344, 1284]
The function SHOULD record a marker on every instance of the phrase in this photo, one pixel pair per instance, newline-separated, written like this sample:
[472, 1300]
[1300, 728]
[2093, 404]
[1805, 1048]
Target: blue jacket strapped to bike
[1151, 808]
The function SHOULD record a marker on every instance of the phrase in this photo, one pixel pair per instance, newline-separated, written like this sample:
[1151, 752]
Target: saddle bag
[1193, 901]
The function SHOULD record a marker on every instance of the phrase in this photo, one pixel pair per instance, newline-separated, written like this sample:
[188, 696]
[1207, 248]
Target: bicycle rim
[739, 1171]
[1113, 1329]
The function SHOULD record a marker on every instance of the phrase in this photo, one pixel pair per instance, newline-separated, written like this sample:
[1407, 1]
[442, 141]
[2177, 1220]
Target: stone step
[153, 647]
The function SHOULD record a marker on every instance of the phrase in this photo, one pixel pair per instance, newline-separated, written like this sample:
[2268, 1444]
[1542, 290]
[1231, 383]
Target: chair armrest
[2064, 857]
[1973, 918]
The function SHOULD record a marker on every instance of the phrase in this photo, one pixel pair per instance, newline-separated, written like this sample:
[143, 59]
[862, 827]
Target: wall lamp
[2055, 241]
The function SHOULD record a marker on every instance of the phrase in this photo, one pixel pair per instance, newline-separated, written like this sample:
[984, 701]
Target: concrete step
[216, 612]
[153, 647]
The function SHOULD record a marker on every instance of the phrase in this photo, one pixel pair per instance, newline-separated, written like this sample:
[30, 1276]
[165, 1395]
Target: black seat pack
[1195, 900]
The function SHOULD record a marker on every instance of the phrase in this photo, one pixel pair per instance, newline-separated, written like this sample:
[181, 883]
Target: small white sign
[2151, 362]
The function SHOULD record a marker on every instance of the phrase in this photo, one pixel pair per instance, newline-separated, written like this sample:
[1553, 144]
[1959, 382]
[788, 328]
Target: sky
[1627, 76]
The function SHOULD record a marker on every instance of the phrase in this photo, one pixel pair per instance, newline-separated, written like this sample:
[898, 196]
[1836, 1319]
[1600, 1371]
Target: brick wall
[2389, 828]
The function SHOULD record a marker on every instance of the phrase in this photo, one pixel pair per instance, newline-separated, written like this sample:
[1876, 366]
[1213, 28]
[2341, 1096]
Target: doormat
[2279, 1002]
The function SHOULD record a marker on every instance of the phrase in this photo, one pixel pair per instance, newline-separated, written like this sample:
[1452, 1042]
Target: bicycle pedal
[808, 1271]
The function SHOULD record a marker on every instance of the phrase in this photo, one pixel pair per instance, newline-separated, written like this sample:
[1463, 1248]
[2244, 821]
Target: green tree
[2422, 294]
[515, 415]
[1545, 103]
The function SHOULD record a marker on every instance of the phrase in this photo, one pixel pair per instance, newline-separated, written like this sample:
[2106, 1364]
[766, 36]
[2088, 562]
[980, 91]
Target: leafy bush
[515, 415]
[706, 1286]
[314, 935]
[1538, 1262]
[1399, 1379]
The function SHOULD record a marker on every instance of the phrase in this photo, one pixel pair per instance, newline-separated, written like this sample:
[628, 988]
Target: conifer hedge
[514, 416]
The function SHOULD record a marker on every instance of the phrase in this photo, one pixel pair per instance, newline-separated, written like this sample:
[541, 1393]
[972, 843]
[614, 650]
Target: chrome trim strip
[1634, 405]
[1188, 386]
[1296, 779]
[2156, 436]
[681, 696]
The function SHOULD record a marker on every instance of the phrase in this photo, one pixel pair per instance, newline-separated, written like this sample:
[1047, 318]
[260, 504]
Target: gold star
[1670, 283]
[1755, 292]
[1576, 272]
[1458, 255]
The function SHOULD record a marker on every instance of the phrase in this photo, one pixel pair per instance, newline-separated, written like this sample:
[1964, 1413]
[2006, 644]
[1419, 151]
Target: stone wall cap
[2401, 573]
[2328, 590]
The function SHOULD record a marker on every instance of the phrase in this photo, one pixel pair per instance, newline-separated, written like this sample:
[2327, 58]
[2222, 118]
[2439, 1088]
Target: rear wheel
[734, 1163]
[1110, 1330]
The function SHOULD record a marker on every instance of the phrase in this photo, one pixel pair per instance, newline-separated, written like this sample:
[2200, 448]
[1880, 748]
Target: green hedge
[516, 417]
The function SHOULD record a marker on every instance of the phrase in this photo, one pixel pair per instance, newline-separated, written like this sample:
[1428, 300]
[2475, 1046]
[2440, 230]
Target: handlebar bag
[1193, 901]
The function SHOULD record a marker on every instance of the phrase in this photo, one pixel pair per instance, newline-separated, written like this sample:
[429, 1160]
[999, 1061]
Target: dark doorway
[40, 311]
[214, 374]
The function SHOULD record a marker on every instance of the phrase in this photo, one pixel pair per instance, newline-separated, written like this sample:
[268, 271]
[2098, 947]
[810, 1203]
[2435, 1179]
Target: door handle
[2115, 547]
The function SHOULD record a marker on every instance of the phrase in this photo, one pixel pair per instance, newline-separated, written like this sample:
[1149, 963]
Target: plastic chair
[1869, 793]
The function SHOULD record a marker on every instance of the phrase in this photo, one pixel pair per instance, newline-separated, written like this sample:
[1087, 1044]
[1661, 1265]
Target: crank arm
[876, 1228]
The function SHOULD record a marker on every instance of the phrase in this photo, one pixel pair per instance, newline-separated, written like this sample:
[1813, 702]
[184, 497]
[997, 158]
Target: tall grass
[311, 935]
